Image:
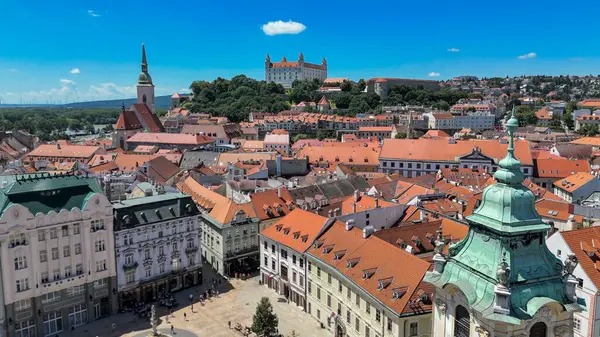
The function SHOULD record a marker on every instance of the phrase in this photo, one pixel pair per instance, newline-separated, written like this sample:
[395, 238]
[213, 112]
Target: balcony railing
[252, 249]
[130, 265]
[190, 250]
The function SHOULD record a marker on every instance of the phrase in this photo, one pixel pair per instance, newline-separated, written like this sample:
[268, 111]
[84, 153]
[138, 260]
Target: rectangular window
[53, 234]
[318, 292]
[340, 286]
[65, 231]
[357, 300]
[414, 329]
[66, 251]
[301, 263]
[348, 316]
[294, 259]
[43, 256]
[78, 249]
[309, 288]
[100, 265]
[580, 283]
[23, 304]
[367, 331]
[328, 278]
[328, 300]
[130, 276]
[309, 266]
[368, 308]
[79, 269]
[357, 324]
[76, 229]
[54, 253]
[319, 272]
[377, 315]
[349, 293]
[22, 285]
[100, 246]
[301, 280]
[52, 323]
[25, 329]
[42, 235]
[389, 324]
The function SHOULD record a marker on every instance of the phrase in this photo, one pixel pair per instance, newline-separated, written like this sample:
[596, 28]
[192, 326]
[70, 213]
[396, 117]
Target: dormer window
[296, 235]
[352, 262]
[399, 292]
[350, 159]
[385, 283]
[337, 158]
[319, 243]
[304, 238]
[366, 160]
[278, 228]
[367, 273]
[339, 254]
[327, 249]
[286, 230]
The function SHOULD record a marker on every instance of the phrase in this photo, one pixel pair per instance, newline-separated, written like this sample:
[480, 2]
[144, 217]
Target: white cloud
[92, 13]
[433, 74]
[281, 27]
[108, 90]
[527, 56]
[453, 50]
[75, 71]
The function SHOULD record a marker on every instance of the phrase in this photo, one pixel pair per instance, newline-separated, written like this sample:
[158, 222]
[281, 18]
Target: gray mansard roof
[152, 209]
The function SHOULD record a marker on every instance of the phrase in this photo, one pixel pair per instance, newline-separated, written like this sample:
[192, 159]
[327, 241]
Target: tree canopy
[264, 321]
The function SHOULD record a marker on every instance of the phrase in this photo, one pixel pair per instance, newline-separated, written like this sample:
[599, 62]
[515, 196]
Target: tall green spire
[510, 167]
[144, 79]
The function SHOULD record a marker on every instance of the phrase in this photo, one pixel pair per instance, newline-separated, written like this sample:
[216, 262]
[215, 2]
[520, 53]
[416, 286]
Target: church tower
[501, 280]
[145, 87]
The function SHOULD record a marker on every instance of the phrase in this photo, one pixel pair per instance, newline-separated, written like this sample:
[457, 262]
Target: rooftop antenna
[123, 106]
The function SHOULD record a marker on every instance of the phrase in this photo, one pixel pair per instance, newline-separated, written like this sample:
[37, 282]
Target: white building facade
[57, 254]
[285, 73]
[157, 240]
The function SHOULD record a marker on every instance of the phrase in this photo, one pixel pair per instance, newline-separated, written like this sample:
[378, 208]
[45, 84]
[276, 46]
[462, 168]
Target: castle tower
[301, 59]
[501, 280]
[145, 87]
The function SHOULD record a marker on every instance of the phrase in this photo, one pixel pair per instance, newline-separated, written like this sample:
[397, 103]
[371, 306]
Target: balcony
[130, 265]
[191, 250]
[253, 249]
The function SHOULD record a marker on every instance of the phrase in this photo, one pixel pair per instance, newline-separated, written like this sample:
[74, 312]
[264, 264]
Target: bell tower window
[539, 329]
[462, 322]
[144, 98]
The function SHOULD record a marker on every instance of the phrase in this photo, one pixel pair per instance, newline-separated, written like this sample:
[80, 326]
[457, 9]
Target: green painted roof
[505, 227]
[44, 193]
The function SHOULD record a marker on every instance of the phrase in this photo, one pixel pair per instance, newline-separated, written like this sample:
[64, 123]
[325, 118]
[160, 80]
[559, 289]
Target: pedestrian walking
[172, 329]
[229, 324]
[184, 316]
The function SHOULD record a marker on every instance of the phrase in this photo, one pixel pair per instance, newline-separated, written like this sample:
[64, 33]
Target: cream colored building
[358, 286]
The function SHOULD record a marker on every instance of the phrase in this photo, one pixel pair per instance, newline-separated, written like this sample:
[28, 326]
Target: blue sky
[61, 50]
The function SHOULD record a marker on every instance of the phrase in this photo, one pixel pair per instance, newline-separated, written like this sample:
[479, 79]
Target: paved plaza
[237, 304]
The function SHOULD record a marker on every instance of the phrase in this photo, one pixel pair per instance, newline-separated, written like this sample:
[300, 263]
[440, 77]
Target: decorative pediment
[476, 155]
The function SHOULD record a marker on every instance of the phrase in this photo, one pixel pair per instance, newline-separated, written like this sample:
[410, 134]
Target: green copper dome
[504, 253]
[144, 78]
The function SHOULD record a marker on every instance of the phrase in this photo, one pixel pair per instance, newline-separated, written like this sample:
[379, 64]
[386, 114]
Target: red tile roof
[560, 168]
[269, 205]
[585, 244]
[376, 266]
[150, 120]
[128, 121]
[574, 182]
[296, 230]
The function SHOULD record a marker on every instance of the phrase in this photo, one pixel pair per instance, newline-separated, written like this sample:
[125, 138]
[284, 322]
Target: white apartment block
[57, 254]
[157, 239]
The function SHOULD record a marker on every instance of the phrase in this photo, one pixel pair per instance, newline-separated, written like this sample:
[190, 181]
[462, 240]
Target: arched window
[462, 322]
[538, 330]
[20, 260]
[144, 98]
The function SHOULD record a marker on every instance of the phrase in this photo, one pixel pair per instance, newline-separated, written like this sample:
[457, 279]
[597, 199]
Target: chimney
[279, 192]
[349, 224]
[329, 213]
[376, 202]
[58, 146]
[353, 208]
[356, 196]
[367, 231]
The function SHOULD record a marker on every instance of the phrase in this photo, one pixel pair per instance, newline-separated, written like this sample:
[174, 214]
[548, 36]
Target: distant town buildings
[285, 72]
[381, 86]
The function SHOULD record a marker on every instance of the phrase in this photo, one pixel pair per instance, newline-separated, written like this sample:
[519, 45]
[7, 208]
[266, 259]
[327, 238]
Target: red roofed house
[584, 244]
[547, 171]
[141, 117]
[282, 249]
[577, 187]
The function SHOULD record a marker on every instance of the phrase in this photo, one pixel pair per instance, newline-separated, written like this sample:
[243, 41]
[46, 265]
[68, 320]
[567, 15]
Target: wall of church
[145, 95]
